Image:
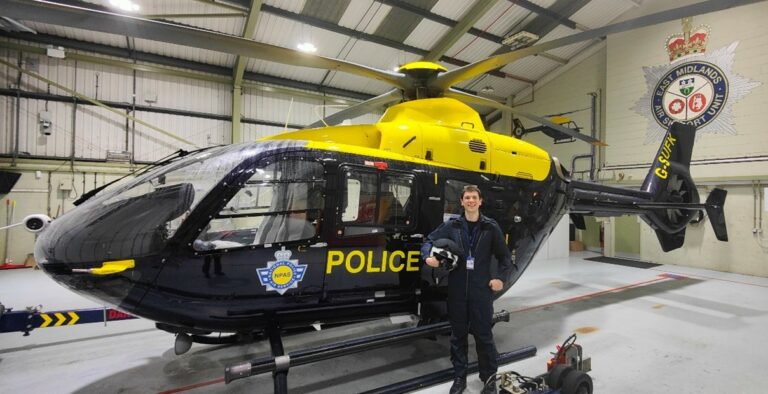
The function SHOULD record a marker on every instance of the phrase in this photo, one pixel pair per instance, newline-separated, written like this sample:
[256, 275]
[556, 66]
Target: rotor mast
[421, 76]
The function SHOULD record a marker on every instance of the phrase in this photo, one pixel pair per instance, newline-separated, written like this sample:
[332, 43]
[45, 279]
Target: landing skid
[280, 363]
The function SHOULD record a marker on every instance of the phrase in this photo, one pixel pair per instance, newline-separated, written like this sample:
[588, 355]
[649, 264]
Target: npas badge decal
[699, 92]
[283, 273]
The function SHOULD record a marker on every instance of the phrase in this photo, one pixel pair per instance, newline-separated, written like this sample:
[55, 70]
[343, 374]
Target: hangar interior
[83, 102]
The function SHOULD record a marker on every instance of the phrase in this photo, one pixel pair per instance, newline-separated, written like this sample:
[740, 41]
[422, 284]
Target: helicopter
[324, 225]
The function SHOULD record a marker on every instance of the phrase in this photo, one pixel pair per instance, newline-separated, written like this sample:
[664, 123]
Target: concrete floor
[646, 333]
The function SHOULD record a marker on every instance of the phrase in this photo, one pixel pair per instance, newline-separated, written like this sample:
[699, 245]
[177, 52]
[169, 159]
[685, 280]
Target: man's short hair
[470, 189]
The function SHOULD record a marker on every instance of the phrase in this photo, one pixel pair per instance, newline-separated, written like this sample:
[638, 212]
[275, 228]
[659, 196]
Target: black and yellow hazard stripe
[69, 319]
[27, 320]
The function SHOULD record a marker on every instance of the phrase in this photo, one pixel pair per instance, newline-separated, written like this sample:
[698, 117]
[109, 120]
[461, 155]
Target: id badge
[470, 263]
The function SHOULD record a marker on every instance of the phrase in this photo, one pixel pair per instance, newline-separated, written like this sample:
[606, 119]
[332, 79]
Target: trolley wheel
[577, 382]
[556, 376]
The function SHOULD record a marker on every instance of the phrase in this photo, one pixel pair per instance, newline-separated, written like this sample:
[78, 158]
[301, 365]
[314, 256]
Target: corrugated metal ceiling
[390, 19]
[426, 34]
[506, 16]
[451, 9]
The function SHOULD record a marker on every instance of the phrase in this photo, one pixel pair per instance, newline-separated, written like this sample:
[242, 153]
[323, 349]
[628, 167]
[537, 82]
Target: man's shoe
[489, 388]
[459, 384]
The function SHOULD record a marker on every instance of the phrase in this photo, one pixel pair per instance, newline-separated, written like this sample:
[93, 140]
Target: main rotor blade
[455, 76]
[108, 22]
[360, 109]
[472, 99]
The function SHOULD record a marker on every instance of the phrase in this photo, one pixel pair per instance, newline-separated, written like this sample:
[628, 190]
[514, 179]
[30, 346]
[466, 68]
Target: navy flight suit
[470, 298]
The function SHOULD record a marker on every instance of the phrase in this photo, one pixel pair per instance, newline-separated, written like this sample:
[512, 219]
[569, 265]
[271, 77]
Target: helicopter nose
[97, 277]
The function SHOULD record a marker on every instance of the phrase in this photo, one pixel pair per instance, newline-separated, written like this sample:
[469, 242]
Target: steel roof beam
[372, 38]
[426, 14]
[477, 11]
[202, 16]
[239, 70]
[155, 69]
[451, 23]
[185, 64]
[547, 20]
[561, 19]
[241, 5]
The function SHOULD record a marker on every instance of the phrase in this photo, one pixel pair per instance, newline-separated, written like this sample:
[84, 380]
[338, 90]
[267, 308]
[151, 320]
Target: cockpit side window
[281, 202]
[373, 201]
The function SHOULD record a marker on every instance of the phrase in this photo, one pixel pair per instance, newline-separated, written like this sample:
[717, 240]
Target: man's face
[471, 202]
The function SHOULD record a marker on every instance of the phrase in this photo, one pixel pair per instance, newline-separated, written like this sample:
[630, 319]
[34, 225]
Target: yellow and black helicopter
[324, 225]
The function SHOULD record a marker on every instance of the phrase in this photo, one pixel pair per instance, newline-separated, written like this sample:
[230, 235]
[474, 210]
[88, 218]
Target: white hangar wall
[628, 53]
[96, 129]
[617, 71]
[61, 181]
[293, 110]
[51, 190]
[570, 91]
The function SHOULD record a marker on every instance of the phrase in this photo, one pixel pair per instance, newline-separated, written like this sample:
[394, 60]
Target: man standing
[471, 285]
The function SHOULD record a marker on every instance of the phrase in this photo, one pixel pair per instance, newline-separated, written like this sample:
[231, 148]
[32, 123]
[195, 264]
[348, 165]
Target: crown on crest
[691, 42]
[283, 254]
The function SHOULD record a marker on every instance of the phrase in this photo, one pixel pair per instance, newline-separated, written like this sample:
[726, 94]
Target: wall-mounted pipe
[133, 124]
[755, 205]
[593, 134]
[590, 156]
[760, 205]
[18, 115]
[74, 123]
[48, 197]
[144, 108]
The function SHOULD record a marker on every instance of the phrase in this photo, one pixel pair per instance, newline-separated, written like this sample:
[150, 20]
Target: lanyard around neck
[472, 237]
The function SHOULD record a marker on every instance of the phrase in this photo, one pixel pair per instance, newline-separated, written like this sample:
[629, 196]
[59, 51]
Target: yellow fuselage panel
[443, 132]
[517, 158]
[367, 135]
[404, 138]
[454, 145]
[438, 111]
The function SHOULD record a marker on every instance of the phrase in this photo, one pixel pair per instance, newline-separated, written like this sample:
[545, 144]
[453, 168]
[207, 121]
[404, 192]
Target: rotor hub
[421, 74]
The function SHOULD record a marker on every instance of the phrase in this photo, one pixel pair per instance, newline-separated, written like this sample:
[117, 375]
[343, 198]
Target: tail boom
[668, 199]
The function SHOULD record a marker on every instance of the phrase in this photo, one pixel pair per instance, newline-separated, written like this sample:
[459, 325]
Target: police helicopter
[324, 225]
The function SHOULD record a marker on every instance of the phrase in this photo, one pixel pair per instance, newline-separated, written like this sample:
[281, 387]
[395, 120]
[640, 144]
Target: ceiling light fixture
[520, 39]
[125, 5]
[487, 90]
[307, 47]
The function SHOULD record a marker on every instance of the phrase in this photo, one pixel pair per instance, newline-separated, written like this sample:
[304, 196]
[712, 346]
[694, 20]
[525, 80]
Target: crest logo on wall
[696, 88]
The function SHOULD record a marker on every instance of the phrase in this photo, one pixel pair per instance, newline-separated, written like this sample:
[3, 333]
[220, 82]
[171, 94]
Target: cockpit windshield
[136, 219]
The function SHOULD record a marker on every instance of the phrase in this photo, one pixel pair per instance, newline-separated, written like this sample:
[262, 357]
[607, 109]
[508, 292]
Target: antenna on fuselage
[287, 118]
[321, 117]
